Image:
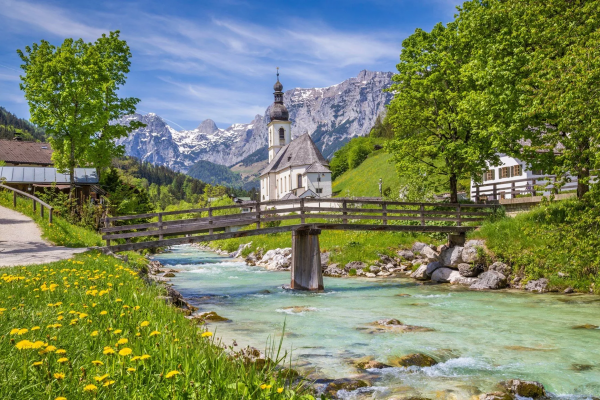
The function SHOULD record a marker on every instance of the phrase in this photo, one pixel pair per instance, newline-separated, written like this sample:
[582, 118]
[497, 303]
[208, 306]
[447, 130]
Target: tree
[537, 69]
[72, 94]
[432, 134]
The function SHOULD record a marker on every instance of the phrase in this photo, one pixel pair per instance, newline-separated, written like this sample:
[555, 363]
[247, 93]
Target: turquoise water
[480, 338]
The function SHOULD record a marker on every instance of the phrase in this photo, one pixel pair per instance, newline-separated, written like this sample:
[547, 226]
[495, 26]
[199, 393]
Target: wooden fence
[340, 214]
[532, 186]
[34, 200]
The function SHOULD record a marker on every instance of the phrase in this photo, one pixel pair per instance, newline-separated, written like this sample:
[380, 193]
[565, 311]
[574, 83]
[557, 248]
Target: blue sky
[194, 60]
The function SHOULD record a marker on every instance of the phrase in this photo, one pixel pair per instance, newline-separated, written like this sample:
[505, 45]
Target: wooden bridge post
[258, 214]
[422, 214]
[34, 206]
[384, 212]
[306, 260]
[160, 226]
[15, 199]
[302, 219]
[210, 222]
[458, 221]
[457, 239]
[344, 211]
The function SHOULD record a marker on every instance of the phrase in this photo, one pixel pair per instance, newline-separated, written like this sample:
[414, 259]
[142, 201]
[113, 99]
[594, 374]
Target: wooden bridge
[305, 218]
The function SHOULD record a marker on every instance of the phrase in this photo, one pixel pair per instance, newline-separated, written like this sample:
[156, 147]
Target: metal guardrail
[33, 198]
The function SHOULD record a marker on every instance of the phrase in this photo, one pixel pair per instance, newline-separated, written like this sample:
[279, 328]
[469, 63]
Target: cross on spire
[277, 74]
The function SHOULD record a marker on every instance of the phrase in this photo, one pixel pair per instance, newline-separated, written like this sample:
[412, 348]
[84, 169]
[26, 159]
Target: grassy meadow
[91, 328]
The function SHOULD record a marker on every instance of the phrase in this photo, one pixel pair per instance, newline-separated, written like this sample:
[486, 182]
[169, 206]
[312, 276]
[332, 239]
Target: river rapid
[479, 338]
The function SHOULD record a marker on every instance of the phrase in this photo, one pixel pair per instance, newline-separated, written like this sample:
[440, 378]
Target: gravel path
[21, 242]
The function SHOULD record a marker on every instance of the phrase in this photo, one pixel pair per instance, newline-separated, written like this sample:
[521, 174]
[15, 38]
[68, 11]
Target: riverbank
[90, 327]
[360, 331]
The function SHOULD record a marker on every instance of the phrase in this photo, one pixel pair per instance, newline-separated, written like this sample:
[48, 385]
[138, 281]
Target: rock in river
[432, 266]
[442, 274]
[420, 274]
[210, 316]
[501, 267]
[490, 280]
[406, 255]
[369, 363]
[430, 254]
[344, 384]
[496, 396]
[469, 270]
[531, 389]
[417, 247]
[585, 326]
[452, 256]
[413, 360]
[538, 285]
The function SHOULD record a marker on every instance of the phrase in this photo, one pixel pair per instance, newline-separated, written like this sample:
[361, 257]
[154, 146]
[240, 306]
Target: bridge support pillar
[457, 239]
[306, 260]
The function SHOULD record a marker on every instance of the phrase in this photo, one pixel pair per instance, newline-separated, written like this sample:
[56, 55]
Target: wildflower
[82, 315]
[37, 363]
[263, 386]
[35, 328]
[268, 387]
[108, 383]
[90, 388]
[101, 378]
[130, 369]
[59, 398]
[136, 308]
[103, 312]
[279, 390]
[154, 333]
[207, 334]
[145, 323]
[22, 331]
[172, 374]
[125, 351]
[60, 318]
[135, 358]
[122, 341]
[49, 349]
[59, 375]
[62, 360]
[95, 333]
[118, 300]
[108, 350]
[61, 351]
[97, 363]
[117, 331]
[145, 357]
[138, 334]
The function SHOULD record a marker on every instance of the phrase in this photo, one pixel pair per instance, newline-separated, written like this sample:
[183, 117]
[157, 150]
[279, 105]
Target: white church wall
[320, 183]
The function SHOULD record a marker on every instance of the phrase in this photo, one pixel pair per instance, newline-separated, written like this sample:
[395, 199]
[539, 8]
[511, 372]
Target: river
[479, 338]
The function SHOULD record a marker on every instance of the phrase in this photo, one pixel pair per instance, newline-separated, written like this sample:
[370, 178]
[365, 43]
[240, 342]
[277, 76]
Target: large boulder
[354, 265]
[420, 274]
[418, 247]
[442, 274]
[430, 254]
[240, 249]
[413, 360]
[406, 254]
[432, 266]
[333, 270]
[344, 384]
[452, 256]
[500, 267]
[470, 255]
[456, 278]
[325, 258]
[531, 389]
[469, 270]
[538, 285]
[496, 396]
[490, 280]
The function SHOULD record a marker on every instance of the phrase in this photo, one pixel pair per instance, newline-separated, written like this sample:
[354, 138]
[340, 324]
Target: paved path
[21, 242]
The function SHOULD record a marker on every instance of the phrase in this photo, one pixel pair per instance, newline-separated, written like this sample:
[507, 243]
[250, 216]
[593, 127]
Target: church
[296, 169]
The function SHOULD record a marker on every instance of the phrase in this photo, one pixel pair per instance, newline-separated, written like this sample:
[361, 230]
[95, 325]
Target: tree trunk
[72, 172]
[453, 188]
[583, 182]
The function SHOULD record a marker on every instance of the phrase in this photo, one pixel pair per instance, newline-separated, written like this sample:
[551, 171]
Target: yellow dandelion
[108, 383]
[50, 349]
[263, 386]
[90, 388]
[145, 357]
[103, 312]
[95, 333]
[130, 369]
[145, 323]
[37, 363]
[97, 363]
[101, 378]
[122, 341]
[62, 360]
[154, 333]
[279, 390]
[59, 375]
[108, 350]
[35, 328]
[60, 398]
[207, 334]
[14, 331]
[61, 351]
[117, 331]
[22, 331]
[125, 351]
[171, 374]
[138, 334]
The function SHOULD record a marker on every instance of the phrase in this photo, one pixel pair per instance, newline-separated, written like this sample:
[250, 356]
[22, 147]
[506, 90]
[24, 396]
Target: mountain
[331, 115]
[215, 174]
[12, 126]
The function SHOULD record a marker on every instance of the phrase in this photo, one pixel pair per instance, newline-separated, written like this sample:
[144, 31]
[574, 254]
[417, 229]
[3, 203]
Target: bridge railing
[335, 213]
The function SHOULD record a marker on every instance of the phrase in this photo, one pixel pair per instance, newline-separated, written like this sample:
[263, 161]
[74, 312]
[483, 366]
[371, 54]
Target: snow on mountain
[331, 115]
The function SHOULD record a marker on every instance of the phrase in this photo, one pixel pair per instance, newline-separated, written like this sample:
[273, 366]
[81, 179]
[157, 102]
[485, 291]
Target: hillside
[215, 174]
[11, 126]
[363, 181]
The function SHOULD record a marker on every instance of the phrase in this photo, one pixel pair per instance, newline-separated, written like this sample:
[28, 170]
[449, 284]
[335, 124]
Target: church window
[281, 136]
[319, 190]
[299, 180]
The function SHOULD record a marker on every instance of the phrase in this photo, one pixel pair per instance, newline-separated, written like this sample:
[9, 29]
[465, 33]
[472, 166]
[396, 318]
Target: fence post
[258, 214]
[533, 191]
[15, 199]
[477, 194]
[50, 215]
[344, 212]
[513, 189]
[160, 226]
[210, 222]
[107, 225]
[458, 216]
[34, 205]
[41, 211]
[495, 192]
[422, 214]
[384, 213]
[302, 219]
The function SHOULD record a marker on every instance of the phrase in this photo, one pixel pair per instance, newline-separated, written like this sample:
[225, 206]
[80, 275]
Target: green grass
[554, 239]
[344, 246]
[60, 232]
[76, 313]
[363, 181]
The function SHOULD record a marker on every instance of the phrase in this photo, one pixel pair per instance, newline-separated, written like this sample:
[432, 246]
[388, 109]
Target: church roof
[317, 167]
[301, 151]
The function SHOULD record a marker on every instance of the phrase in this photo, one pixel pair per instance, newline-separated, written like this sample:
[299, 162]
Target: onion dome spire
[278, 110]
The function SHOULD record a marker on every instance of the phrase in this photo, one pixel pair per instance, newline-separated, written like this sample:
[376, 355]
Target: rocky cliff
[331, 115]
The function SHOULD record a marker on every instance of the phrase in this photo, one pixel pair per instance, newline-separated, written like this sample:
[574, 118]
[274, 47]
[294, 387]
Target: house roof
[47, 175]
[17, 152]
[301, 151]
[317, 167]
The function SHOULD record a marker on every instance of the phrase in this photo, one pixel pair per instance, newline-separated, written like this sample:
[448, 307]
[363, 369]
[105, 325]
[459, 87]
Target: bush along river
[363, 329]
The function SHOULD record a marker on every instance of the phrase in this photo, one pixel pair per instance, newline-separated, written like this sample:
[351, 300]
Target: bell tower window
[281, 136]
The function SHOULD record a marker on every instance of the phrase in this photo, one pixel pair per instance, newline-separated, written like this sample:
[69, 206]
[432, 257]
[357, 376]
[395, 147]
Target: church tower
[280, 132]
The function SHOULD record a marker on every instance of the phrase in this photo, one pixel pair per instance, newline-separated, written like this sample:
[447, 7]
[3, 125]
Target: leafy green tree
[72, 91]
[357, 154]
[432, 134]
[536, 66]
